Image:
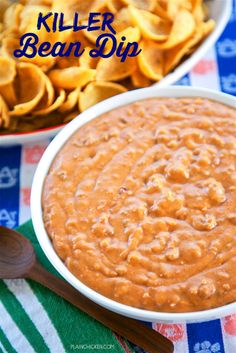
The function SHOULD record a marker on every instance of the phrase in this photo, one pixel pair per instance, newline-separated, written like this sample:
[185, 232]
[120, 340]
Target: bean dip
[140, 204]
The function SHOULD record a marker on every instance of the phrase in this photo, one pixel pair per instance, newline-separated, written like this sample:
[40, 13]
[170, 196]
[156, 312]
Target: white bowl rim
[36, 205]
[29, 137]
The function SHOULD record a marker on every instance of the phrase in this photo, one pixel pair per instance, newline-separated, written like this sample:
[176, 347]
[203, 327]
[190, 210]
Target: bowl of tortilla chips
[39, 95]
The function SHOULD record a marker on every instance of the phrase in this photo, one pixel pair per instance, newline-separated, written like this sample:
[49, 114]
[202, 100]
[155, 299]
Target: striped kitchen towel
[33, 319]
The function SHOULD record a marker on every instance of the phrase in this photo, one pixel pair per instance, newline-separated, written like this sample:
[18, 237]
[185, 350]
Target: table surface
[217, 70]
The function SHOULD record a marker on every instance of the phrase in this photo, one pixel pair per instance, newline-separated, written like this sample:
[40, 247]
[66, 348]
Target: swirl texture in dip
[140, 204]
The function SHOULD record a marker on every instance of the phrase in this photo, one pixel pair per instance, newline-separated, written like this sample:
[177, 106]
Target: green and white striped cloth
[33, 319]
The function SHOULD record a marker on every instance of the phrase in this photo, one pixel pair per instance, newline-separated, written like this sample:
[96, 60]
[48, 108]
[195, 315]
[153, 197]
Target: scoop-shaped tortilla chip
[4, 114]
[199, 14]
[4, 4]
[196, 3]
[150, 25]
[49, 90]
[9, 94]
[132, 34]
[174, 6]
[139, 80]
[28, 20]
[79, 37]
[112, 69]
[45, 63]
[69, 7]
[92, 36]
[56, 105]
[7, 71]
[72, 77]
[39, 2]
[8, 46]
[151, 60]
[72, 60]
[30, 88]
[122, 20]
[114, 5]
[70, 102]
[12, 16]
[96, 92]
[7, 77]
[49, 95]
[207, 27]
[161, 11]
[148, 5]
[87, 61]
[183, 27]
[174, 55]
[65, 62]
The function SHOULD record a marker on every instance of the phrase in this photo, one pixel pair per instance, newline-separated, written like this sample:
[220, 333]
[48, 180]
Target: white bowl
[29, 137]
[219, 10]
[36, 201]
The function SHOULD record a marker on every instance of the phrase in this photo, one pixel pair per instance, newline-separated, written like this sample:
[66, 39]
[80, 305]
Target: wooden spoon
[18, 260]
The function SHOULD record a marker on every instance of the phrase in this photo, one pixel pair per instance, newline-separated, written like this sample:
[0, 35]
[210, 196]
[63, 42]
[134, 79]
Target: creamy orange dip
[140, 204]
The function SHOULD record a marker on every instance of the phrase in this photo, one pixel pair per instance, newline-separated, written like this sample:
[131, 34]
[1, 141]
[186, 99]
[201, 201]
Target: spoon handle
[133, 330]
